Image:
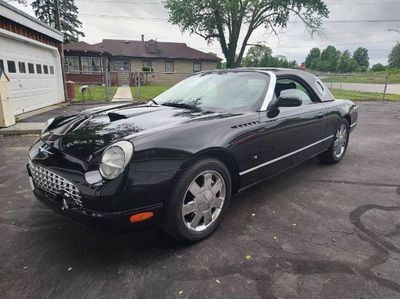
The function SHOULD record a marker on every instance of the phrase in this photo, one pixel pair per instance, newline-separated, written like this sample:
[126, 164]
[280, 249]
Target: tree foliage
[46, 11]
[313, 59]
[228, 21]
[332, 60]
[379, 67]
[261, 56]
[329, 59]
[394, 57]
[362, 58]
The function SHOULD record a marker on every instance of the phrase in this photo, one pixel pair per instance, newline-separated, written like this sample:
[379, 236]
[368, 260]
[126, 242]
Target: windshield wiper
[151, 100]
[181, 105]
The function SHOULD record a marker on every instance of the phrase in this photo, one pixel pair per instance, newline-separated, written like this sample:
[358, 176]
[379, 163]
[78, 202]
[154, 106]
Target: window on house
[38, 69]
[1, 65]
[21, 67]
[45, 69]
[71, 64]
[169, 66]
[31, 68]
[51, 69]
[86, 65]
[147, 63]
[196, 67]
[96, 66]
[11, 66]
[121, 65]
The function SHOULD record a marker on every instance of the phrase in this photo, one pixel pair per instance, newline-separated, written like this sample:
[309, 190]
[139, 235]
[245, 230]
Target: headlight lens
[47, 124]
[115, 158]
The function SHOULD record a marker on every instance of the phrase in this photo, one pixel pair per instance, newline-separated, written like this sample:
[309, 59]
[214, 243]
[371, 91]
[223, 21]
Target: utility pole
[57, 14]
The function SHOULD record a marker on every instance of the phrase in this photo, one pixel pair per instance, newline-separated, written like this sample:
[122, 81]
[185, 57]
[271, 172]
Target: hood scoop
[116, 116]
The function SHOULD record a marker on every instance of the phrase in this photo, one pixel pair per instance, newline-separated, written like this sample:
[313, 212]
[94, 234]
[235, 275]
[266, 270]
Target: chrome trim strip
[284, 156]
[270, 93]
[353, 125]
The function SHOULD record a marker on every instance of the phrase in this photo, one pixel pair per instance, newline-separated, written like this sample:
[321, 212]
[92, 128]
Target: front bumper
[59, 180]
[108, 221]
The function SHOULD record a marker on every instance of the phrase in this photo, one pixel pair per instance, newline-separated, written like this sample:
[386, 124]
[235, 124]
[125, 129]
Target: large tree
[225, 20]
[261, 56]
[362, 58]
[61, 14]
[347, 63]
[313, 59]
[394, 56]
[329, 59]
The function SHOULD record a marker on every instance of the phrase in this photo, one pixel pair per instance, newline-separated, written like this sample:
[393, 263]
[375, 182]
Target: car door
[291, 135]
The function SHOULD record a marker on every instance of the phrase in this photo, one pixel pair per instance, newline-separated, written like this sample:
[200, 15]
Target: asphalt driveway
[315, 232]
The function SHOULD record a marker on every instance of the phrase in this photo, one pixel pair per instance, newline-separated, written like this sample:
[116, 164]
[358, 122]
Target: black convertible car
[178, 159]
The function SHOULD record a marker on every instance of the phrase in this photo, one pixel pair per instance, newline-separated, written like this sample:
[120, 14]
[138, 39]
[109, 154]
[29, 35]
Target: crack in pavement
[356, 183]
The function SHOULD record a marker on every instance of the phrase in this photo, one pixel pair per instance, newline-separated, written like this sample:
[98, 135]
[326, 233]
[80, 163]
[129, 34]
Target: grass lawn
[363, 96]
[95, 93]
[150, 91]
[371, 78]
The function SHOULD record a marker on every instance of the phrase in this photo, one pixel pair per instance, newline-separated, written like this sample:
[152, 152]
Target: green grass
[363, 96]
[96, 93]
[371, 78]
[150, 91]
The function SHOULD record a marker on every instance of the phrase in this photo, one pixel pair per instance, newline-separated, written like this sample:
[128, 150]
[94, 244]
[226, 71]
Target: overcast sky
[128, 19]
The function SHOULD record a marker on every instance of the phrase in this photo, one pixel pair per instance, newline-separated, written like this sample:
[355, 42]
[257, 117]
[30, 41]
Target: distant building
[30, 56]
[164, 62]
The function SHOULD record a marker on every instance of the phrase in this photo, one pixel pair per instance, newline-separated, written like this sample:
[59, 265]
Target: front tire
[198, 200]
[337, 150]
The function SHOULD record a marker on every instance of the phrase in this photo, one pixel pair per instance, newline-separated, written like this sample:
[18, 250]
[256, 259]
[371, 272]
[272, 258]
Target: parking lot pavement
[315, 232]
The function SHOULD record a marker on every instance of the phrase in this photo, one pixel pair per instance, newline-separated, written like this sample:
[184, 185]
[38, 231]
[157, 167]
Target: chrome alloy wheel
[340, 144]
[203, 200]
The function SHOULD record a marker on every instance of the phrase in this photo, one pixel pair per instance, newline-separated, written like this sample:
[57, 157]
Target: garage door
[34, 72]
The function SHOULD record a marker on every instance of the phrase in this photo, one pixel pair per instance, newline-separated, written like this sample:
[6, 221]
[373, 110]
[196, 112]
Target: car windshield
[220, 92]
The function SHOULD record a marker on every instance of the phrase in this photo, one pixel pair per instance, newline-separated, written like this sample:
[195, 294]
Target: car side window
[290, 87]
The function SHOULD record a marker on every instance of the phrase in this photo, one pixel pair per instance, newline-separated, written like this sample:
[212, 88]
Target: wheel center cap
[203, 205]
[208, 195]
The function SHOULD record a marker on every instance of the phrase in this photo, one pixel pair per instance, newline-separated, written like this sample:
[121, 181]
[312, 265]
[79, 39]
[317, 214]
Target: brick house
[152, 61]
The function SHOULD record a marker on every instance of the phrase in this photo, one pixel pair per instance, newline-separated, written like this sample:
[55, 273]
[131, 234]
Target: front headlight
[115, 158]
[47, 124]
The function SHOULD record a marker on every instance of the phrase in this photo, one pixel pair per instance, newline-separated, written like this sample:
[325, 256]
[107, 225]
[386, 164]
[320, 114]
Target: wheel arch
[222, 155]
[348, 118]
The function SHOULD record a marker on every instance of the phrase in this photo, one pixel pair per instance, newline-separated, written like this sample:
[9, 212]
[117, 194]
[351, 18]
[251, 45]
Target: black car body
[254, 143]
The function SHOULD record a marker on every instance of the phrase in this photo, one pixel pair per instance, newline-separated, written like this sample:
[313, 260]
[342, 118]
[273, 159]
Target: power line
[159, 3]
[165, 19]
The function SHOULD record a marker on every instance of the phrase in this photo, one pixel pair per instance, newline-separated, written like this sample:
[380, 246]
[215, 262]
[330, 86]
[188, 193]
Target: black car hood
[86, 134]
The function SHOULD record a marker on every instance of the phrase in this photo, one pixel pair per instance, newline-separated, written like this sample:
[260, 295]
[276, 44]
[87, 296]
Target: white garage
[31, 60]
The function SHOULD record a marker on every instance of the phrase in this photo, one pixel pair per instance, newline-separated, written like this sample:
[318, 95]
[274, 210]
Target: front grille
[54, 184]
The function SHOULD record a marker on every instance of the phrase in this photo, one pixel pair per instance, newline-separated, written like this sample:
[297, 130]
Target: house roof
[142, 49]
[84, 47]
[18, 16]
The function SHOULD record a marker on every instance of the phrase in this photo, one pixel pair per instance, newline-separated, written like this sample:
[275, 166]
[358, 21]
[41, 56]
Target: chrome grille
[54, 184]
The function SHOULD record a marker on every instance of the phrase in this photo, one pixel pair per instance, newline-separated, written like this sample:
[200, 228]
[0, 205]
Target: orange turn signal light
[140, 217]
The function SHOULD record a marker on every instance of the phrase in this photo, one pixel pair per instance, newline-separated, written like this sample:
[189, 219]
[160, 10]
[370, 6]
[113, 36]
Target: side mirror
[287, 101]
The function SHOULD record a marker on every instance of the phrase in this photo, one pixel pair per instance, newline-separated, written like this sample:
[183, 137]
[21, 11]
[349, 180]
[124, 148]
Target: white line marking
[284, 156]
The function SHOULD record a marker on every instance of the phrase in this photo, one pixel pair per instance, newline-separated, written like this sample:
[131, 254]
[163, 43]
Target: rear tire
[198, 201]
[337, 150]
